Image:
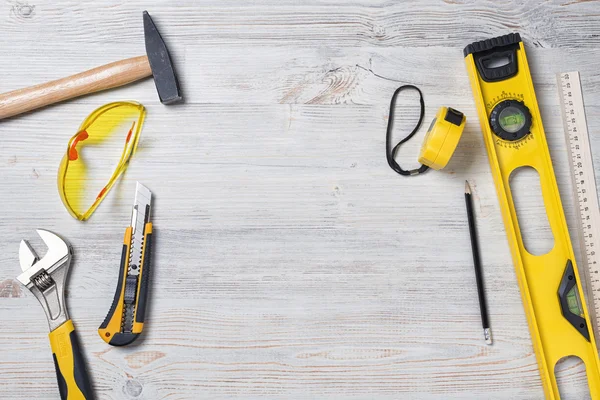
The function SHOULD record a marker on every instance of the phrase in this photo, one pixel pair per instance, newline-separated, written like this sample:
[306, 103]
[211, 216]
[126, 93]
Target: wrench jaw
[27, 256]
[46, 277]
[52, 296]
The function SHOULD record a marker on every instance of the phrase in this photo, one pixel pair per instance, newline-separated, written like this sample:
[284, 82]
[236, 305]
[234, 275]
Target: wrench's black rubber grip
[143, 296]
[62, 384]
[81, 376]
[119, 288]
[71, 372]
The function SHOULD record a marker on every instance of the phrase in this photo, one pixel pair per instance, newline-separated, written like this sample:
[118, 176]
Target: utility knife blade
[125, 319]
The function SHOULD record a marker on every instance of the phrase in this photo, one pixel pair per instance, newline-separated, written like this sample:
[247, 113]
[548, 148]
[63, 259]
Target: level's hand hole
[526, 191]
[570, 373]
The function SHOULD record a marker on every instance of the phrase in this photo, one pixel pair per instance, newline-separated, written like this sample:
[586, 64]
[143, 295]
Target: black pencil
[487, 331]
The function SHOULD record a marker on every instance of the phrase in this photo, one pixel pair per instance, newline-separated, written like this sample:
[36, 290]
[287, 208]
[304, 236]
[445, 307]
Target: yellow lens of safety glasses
[97, 155]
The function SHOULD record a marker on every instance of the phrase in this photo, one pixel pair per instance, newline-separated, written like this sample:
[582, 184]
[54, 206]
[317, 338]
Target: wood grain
[290, 261]
[109, 76]
[329, 24]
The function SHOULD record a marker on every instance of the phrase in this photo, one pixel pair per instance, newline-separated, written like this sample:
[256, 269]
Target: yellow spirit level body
[514, 137]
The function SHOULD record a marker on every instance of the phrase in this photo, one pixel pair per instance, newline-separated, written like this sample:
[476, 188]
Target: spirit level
[514, 137]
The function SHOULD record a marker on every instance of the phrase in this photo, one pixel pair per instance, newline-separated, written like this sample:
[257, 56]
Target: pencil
[487, 331]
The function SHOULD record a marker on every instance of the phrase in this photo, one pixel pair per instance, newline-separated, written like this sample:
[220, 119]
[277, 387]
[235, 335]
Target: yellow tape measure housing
[442, 138]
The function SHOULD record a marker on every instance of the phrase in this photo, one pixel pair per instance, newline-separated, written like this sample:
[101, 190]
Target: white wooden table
[290, 261]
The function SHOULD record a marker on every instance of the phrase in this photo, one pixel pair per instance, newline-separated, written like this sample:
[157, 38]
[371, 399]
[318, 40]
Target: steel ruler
[584, 185]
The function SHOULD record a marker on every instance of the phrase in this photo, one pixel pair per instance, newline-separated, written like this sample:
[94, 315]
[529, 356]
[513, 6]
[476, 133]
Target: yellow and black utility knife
[125, 320]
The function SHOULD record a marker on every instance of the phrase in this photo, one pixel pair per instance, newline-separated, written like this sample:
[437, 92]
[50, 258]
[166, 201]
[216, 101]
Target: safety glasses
[97, 155]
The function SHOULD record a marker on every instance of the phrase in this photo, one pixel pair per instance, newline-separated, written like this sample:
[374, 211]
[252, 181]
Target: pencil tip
[467, 187]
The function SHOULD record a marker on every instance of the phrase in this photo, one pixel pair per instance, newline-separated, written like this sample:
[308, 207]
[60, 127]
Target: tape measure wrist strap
[390, 151]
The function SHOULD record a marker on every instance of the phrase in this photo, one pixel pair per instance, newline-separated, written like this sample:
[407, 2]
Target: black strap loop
[391, 152]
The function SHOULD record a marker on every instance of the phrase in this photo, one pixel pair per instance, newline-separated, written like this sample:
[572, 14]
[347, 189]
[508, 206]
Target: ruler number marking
[583, 177]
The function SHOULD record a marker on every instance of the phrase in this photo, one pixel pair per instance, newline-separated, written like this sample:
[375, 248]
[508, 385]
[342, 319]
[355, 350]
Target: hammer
[156, 63]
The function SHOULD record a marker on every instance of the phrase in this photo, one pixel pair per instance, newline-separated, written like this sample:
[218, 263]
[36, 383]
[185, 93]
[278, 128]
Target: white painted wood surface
[290, 261]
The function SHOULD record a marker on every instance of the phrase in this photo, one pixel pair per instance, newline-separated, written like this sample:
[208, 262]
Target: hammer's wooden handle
[105, 77]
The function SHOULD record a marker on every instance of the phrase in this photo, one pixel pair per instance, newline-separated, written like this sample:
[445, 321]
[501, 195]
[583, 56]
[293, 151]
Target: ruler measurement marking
[584, 183]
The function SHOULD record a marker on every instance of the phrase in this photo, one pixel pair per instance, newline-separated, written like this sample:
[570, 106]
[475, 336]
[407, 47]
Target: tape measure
[514, 137]
[442, 138]
[439, 143]
[584, 185]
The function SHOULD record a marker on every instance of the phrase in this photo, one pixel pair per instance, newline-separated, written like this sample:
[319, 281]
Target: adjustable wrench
[45, 278]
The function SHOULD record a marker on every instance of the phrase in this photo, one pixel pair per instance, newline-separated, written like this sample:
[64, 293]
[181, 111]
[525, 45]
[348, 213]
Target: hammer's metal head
[160, 63]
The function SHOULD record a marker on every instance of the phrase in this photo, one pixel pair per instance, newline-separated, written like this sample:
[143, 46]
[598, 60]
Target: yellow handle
[73, 380]
[111, 329]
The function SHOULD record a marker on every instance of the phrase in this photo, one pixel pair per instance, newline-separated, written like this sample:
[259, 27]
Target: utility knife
[125, 319]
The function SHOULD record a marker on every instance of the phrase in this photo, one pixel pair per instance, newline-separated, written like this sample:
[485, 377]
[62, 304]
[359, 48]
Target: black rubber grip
[80, 373]
[71, 372]
[143, 296]
[496, 58]
[122, 339]
[113, 306]
[62, 384]
[493, 43]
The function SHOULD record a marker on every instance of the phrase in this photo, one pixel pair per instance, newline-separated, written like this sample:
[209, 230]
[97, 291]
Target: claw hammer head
[59, 251]
[160, 64]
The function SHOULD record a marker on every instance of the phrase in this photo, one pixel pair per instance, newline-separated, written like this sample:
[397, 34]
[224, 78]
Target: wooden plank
[290, 261]
[299, 349]
[558, 23]
[282, 221]
[271, 75]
